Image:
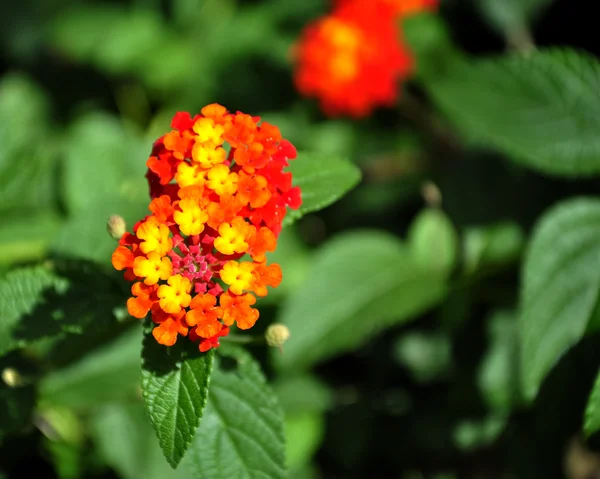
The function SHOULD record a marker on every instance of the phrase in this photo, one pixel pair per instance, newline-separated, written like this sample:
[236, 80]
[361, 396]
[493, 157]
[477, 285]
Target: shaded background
[86, 87]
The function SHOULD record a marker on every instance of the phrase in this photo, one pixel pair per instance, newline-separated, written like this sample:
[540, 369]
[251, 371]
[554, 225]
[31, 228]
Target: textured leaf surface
[175, 388]
[21, 292]
[542, 109]
[242, 433]
[62, 296]
[360, 283]
[560, 285]
[323, 179]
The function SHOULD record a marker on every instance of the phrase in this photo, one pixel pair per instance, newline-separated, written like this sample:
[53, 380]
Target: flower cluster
[218, 198]
[353, 59]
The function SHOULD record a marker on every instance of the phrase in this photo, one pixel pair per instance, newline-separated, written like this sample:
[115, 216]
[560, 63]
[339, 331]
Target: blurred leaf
[302, 394]
[303, 434]
[541, 109]
[66, 458]
[427, 356]
[294, 258]
[242, 430]
[17, 408]
[511, 15]
[103, 161]
[434, 241]
[472, 435]
[26, 237]
[592, 411]
[28, 154]
[429, 41]
[175, 388]
[360, 283]
[21, 292]
[323, 179]
[125, 440]
[492, 246]
[109, 374]
[498, 376]
[561, 282]
[104, 175]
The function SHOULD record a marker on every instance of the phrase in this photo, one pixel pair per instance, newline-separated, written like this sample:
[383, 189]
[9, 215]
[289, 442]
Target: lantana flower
[353, 60]
[219, 194]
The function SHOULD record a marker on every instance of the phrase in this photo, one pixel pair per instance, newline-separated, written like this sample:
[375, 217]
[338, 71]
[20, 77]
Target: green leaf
[109, 374]
[492, 246]
[360, 283]
[498, 375]
[28, 154]
[21, 293]
[472, 435]
[103, 160]
[25, 236]
[294, 258]
[561, 281]
[126, 442]
[303, 433]
[104, 175]
[592, 410]
[175, 388]
[427, 356]
[434, 241]
[66, 458]
[62, 296]
[541, 109]
[302, 394]
[242, 430]
[323, 180]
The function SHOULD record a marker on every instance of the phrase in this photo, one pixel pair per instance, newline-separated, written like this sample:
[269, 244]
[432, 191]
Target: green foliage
[17, 398]
[359, 284]
[127, 443]
[108, 374]
[433, 241]
[104, 168]
[323, 179]
[592, 410]
[175, 387]
[511, 16]
[498, 376]
[428, 357]
[529, 107]
[561, 281]
[242, 429]
[410, 358]
[21, 293]
[492, 247]
[473, 435]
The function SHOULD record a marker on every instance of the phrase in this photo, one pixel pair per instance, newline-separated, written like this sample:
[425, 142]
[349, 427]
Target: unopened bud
[11, 377]
[116, 226]
[431, 194]
[277, 334]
